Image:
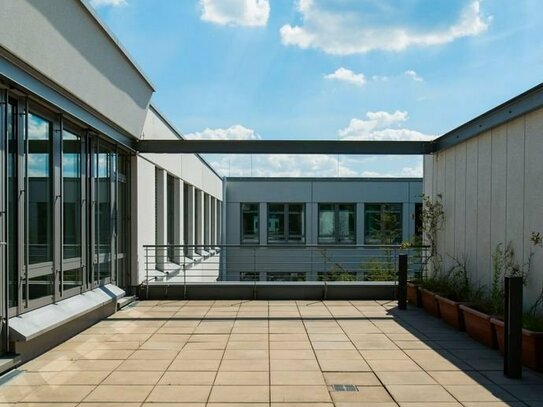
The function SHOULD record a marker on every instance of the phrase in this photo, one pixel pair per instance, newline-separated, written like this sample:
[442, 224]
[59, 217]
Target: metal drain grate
[344, 387]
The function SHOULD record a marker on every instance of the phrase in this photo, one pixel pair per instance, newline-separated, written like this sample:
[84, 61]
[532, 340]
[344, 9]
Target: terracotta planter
[413, 294]
[429, 302]
[450, 312]
[532, 345]
[478, 326]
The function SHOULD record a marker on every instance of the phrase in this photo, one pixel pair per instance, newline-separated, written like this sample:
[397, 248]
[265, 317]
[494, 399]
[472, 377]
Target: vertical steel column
[512, 362]
[402, 281]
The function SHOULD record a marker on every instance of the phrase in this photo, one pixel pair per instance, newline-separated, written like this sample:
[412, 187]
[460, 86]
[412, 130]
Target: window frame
[382, 206]
[248, 240]
[337, 239]
[286, 222]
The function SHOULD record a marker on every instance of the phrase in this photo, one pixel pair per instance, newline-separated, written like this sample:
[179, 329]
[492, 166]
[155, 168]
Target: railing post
[402, 281]
[184, 273]
[512, 362]
[146, 273]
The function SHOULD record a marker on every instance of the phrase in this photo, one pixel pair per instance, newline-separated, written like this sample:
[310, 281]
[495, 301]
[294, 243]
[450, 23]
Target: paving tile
[294, 365]
[299, 394]
[148, 366]
[394, 366]
[188, 365]
[133, 378]
[383, 355]
[257, 365]
[284, 378]
[339, 365]
[366, 394]
[226, 378]
[292, 354]
[13, 394]
[459, 377]
[187, 378]
[246, 354]
[239, 394]
[419, 393]
[179, 394]
[57, 394]
[405, 378]
[476, 392]
[356, 378]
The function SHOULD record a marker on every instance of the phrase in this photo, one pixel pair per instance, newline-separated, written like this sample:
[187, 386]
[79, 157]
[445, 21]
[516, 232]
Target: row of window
[336, 223]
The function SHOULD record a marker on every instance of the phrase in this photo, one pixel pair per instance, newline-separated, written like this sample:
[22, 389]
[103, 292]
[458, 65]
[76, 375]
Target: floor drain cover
[344, 387]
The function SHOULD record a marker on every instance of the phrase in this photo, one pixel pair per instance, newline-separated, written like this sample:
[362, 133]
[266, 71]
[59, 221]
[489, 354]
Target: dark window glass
[249, 223]
[12, 202]
[105, 165]
[249, 276]
[170, 219]
[286, 276]
[71, 181]
[383, 223]
[337, 223]
[286, 223]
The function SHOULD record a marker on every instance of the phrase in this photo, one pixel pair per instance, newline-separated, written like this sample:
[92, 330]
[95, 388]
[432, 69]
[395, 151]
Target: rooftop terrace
[260, 353]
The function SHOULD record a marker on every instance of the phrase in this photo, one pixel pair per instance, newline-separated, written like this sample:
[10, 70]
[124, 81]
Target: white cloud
[346, 75]
[345, 33]
[413, 75]
[406, 172]
[250, 13]
[112, 3]
[236, 132]
[381, 126]
[379, 78]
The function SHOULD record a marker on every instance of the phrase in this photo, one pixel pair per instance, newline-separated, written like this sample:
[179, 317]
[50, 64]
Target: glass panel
[276, 223]
[72, 278]
[346, 223]
[285, 276]
[249, 276]
[383, 223]
[104, 162]
[12, 203]
[71, 181]
[326, 223]
[296, 223]
[40, 202]
[249, 219]
[39, 190]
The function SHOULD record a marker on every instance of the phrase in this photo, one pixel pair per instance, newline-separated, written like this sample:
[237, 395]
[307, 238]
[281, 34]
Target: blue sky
[328, 69]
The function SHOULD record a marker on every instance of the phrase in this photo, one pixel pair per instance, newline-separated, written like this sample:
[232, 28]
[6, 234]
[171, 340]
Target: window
[337, 223]
[383, 223]
[249, 223]
[285, 276]
[249, 276]
[286, 223]
[170, 217]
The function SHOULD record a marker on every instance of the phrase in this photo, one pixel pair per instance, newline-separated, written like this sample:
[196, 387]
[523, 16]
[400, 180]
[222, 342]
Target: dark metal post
[402, 281]
[512, 363]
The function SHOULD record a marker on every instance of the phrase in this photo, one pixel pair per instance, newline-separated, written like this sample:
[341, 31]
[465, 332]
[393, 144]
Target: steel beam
[284, 147]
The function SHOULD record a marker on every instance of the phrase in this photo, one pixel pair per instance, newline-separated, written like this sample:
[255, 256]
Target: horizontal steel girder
[284, 147]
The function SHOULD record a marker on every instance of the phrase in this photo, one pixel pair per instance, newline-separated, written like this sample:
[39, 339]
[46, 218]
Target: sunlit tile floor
[260, 353]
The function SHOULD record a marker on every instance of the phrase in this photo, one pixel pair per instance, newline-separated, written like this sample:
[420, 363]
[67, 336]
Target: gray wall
[492, 191]
[63, 42]
[313, 191]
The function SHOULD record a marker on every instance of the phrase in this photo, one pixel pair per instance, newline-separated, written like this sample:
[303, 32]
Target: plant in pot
[484, 306]
[432, 221]
[455, 292]
[418, 256]
[532, 322]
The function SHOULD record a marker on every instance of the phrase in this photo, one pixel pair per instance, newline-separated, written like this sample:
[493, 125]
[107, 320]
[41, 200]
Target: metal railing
[183, 264]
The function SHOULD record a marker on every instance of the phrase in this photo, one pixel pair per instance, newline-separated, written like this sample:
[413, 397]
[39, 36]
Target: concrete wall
[185, 168]
[492, 191]
[63, 42]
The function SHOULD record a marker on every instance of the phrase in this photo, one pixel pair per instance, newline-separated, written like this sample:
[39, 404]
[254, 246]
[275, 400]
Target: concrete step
[125, 301]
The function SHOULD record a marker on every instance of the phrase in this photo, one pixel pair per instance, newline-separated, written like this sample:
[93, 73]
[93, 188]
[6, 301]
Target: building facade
[300, 218]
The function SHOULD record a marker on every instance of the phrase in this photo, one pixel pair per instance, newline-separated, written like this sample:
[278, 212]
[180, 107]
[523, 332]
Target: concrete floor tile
[191, 378]
[246, 354]
[299, 394]
[148, 366]
[383, 355]
[239, 394]
[292, 354]
[338, 365]
[195, 365]
[366, 394]
[133, 378]
[419, 393]
[356, 378]
[179, 394]
[459, 377]
[476, 392]
[297, 378]
[13, 394]
[294, 365]
[257, 365]
[405, 378]
[207, 354]
[58, 394]
[225, 378]
[394, 366]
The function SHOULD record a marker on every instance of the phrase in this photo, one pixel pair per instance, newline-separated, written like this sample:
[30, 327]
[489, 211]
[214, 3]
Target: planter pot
[532, 345]
[478, 326]
[413, 294]
[429, 302]
[450, 312]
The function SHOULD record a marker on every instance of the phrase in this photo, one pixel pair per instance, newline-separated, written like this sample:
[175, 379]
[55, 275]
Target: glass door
[4, 308]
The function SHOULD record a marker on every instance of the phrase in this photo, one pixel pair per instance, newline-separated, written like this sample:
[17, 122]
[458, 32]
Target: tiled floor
[259, 353]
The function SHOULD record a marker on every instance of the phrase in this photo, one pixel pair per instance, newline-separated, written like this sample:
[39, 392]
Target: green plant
[337, 271]
[433, 216]
[532, 322]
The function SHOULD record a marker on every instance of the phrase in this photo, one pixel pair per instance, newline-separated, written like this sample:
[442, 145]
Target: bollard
[402, 281]
[512, 362]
